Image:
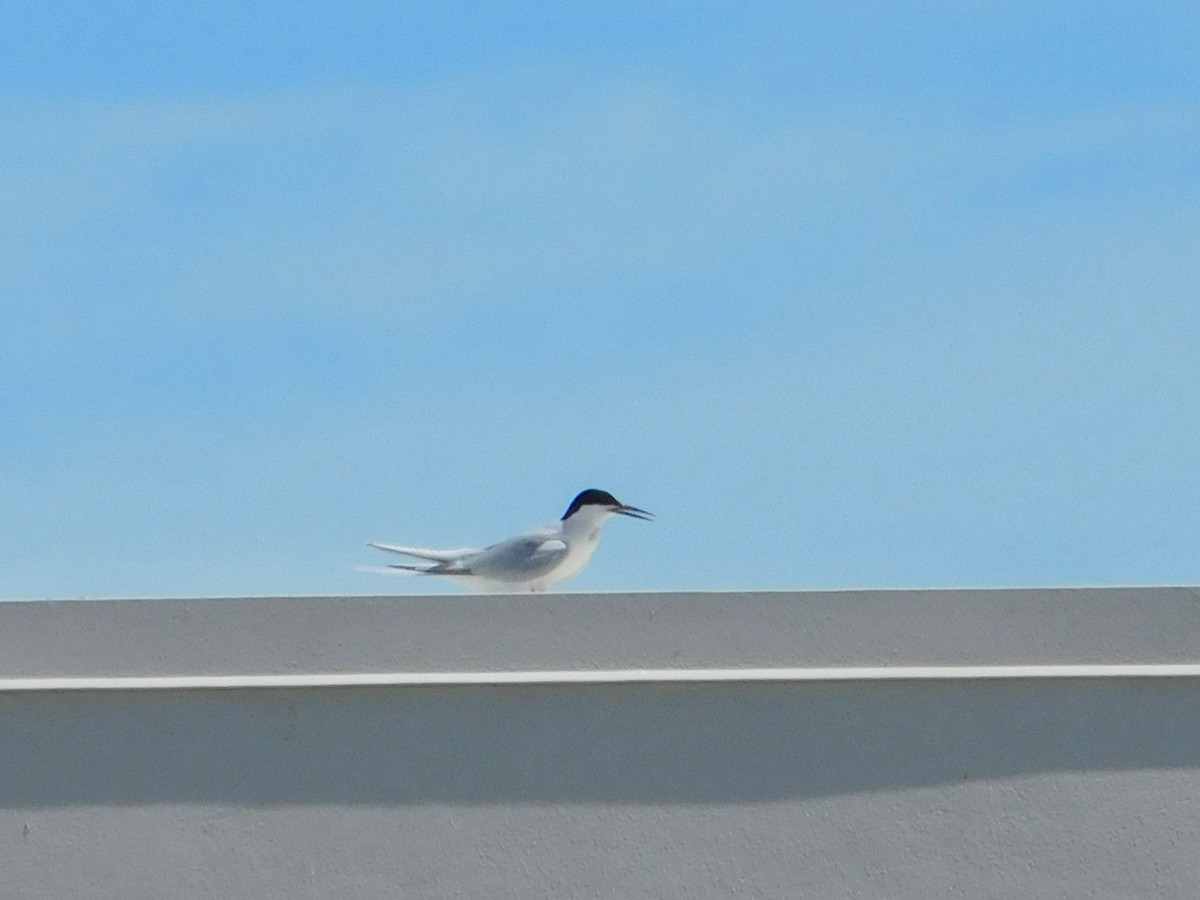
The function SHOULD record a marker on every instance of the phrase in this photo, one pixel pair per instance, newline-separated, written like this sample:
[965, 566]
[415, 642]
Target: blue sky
[851, 295]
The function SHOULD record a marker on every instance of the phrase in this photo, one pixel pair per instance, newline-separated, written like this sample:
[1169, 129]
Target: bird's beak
[633, 512]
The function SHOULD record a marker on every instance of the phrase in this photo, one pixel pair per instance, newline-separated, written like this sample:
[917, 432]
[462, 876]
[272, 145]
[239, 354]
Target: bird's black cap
[591, 497]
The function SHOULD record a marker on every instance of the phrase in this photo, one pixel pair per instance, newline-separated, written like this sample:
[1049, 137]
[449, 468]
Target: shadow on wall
[690, 743]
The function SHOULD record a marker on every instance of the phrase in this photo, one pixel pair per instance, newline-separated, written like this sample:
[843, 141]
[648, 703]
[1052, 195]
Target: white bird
[534, 561]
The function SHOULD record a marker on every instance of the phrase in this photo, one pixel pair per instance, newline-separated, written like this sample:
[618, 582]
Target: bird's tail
[396, 569]
[435, 556]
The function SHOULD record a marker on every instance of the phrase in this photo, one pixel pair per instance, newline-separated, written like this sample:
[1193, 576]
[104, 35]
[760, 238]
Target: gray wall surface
[949, 787]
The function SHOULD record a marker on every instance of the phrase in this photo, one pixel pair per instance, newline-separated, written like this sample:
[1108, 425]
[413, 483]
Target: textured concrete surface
[1078, 787]
[599, 631]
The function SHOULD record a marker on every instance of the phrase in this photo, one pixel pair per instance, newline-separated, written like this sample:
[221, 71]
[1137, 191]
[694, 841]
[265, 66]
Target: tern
[534, 561]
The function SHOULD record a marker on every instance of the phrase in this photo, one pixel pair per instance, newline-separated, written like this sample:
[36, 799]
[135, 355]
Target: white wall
[865, 787]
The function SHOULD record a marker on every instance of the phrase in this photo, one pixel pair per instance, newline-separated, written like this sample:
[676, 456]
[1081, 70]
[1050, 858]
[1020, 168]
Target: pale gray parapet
[599, 631]
[999, 744]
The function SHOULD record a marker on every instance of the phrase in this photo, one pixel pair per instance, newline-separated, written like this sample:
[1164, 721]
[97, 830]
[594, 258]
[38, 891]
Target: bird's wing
[442, 556]
[519, 559]
[547, 553]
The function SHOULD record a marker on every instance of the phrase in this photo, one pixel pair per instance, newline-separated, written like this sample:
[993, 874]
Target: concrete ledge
[604, 632]
[1001, 744]
[590, 676]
